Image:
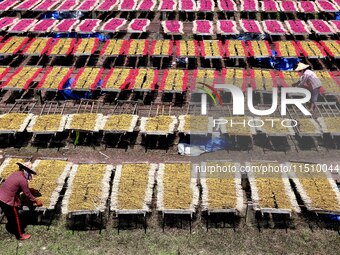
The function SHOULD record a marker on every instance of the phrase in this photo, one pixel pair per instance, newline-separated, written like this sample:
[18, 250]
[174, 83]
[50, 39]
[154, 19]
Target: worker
[310, 81]
[10, 189]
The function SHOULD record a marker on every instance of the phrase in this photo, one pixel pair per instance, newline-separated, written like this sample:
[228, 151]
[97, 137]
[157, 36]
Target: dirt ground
[245, 240]
[86, 154]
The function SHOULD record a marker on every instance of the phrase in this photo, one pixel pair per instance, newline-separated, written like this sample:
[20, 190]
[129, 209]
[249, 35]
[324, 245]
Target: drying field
[97, 94]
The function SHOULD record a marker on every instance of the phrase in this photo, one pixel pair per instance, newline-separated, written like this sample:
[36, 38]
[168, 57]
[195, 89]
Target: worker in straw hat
[310, 81]
[10, 189]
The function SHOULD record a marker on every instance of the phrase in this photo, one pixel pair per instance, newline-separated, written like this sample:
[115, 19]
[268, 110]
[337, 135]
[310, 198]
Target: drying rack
[33, 79]
[98, 213]
[157, 109]
[121, 136]
[87, 106]
[194, 109]
[280, 214]
[328, 110]
[182, 213]
[121, 213]
[276, 141]
[122, 107]
[220, 212]
[318, 214]
[48, 137]
[50, 108]
[20, 106]
[241, 141]
[305, 138]
[254, 189]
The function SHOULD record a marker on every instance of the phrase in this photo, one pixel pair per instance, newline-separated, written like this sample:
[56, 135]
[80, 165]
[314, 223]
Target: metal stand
[83, 216]
[220, 213]
[165, 214]
[135, 217]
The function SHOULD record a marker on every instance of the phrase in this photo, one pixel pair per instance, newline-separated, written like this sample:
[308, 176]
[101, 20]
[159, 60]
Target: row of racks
[60, 79]
[94, 196]
[318, 6]
[294, 27]
[219, 49]
[162, 125]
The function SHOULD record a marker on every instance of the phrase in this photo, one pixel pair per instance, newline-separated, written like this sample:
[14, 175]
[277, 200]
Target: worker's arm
[295, 84]
[25, 189]
[302, 81]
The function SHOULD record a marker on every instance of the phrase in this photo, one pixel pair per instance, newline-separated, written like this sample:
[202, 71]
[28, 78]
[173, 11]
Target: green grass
[246, 240]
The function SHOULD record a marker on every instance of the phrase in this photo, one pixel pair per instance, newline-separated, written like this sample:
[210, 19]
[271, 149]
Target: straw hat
[27, 166]
[301, 66]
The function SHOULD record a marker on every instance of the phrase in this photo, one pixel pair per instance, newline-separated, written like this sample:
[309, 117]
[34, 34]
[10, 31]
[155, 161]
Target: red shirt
[11, 188]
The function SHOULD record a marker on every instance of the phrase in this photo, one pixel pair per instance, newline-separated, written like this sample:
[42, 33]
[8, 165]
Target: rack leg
[258, 222]
[84, 220]
[101, 223]
[163, 222]
[50, 222]
[245, 218]
[207, 224]
[91, 221]
[73, 224]
[2, 216]
[118, 224]
[127, 144]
